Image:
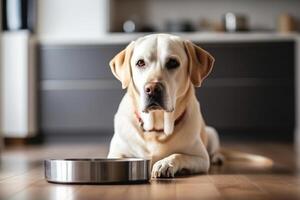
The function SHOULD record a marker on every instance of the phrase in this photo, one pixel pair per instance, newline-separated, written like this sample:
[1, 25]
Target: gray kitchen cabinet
[250, 89]
[258, 60]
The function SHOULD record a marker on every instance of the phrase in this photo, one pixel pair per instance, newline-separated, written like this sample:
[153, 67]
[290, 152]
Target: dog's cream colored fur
[189, 145]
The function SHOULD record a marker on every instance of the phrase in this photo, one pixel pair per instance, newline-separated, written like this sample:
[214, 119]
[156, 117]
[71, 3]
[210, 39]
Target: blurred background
[56, 84]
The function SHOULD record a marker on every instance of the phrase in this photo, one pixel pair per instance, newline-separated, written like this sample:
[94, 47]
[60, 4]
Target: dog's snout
[153, 88]
[154, 96]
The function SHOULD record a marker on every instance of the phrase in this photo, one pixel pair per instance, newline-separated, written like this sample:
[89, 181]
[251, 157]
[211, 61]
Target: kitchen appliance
[234, 22]
[97, 171]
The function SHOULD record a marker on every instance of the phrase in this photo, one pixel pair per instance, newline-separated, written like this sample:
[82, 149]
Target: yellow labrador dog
[159, 117]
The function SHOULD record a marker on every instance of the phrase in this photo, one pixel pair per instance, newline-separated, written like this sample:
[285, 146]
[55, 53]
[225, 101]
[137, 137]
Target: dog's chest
[160, 148]
[158, 151]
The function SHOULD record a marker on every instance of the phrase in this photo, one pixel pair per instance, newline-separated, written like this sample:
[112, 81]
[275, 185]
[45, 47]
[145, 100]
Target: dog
[159, 117]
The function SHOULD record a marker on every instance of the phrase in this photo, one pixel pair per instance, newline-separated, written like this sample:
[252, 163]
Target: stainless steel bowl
[97, 171]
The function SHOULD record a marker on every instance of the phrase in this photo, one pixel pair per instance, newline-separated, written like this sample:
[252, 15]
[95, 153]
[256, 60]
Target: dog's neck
[158, 120]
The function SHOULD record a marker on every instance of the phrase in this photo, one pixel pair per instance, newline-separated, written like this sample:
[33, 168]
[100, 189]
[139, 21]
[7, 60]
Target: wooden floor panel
[22, 176]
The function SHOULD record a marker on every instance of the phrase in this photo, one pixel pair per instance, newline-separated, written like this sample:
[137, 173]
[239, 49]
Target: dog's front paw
[164, 168]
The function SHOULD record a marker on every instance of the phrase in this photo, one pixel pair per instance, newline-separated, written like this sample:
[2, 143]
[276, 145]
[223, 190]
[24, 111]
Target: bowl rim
[99, 160]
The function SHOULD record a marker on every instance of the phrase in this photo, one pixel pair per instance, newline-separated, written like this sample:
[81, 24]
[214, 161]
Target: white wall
[262, 13]
[72, 18]
[91, 18]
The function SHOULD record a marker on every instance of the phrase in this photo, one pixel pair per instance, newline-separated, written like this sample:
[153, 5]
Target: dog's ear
[200, 62]
[120, 65]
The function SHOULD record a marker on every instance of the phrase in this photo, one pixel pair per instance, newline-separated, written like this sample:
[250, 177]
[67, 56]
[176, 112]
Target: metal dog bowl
[97, 171]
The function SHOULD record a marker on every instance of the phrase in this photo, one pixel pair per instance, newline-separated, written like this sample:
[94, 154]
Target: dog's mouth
[153, 106]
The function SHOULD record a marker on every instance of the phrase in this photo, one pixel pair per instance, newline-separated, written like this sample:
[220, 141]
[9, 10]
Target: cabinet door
[259, 60]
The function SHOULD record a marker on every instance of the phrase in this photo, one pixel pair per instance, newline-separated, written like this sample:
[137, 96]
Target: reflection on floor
[21, 176]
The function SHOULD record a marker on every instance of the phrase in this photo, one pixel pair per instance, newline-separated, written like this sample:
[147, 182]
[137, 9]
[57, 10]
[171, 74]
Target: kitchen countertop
[124, 38]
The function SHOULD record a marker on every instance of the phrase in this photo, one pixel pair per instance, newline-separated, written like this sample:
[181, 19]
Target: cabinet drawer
[253, 59]
[76, 61]
[75, 110]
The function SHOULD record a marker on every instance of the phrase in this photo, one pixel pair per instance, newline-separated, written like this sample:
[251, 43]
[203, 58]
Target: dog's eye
[140, 63]
[172, 63]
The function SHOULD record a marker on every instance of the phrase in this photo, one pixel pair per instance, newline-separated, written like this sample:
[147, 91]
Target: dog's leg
[113, 155]
[213, 146]
[174, 163]
[114, 152]
[116, 148]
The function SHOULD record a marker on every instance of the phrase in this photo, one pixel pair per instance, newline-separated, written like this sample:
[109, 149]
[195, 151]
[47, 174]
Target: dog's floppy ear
[200, 62]
[120, 65]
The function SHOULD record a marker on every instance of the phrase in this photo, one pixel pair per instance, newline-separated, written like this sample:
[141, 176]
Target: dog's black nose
[154, 96]
[153, 88]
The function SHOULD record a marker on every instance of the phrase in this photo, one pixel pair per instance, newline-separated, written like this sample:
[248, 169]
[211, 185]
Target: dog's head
[161, 67]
